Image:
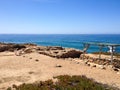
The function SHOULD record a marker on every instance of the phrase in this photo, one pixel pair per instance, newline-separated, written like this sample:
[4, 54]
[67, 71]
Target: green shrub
[65, 82]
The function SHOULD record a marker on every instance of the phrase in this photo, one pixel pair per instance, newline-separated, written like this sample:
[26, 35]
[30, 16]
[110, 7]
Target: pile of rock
[53, 51]
[70, 54]
[59, 52]
[48, 48]
[103, 62]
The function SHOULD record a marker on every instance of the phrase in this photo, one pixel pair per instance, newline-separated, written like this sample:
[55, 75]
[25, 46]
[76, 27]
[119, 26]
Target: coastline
[16, 65]
[63, 40]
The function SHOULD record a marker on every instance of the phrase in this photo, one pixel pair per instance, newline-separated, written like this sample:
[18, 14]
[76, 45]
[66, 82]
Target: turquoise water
[64, 40]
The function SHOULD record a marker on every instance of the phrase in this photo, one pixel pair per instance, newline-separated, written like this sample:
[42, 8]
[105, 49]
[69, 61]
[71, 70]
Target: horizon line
[56, 33]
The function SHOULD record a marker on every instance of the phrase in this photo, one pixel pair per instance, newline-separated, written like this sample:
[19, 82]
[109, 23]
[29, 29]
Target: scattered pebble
[23, 56]
[101, 67]
[36, 60]
[30, 72]
[94, 66]
[115, 69]
[88, 64]
[58, 65]
[30, 58]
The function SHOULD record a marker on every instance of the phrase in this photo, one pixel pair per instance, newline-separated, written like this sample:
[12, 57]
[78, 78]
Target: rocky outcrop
[48, 48]
[70, 54]
[59, 52]
[53, 51]
[115, 63]
[11, 47]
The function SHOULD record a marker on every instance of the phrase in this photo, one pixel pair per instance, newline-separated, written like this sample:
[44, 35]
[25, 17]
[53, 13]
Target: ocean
[64, 40]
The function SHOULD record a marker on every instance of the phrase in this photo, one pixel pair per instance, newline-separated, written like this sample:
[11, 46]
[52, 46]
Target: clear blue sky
[60, 16]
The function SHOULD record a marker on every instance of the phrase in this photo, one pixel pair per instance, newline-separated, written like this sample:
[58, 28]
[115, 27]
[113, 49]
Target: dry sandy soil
[25, 69]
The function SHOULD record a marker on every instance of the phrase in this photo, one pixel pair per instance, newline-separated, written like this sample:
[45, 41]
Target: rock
[36, 60]
[94, 66]
[116, 69]
[88, 64]
[91, 60]
[101, 66]
[55, 51]
[91, 64]
[23, 56]
[110, 66]
[77, 62]
[56, 48]
[58, 65]
[11, 47]
[31, 72]
[30, 58]
[66, 53]
[41, 48]
[117, 64]
[71, 54]
[19, 52]
[28, 50]
[17, 46]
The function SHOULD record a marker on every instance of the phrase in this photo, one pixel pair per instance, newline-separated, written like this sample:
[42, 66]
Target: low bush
[64, 82]
[11, 47]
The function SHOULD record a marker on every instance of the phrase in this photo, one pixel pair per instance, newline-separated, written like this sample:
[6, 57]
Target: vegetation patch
[64, 82]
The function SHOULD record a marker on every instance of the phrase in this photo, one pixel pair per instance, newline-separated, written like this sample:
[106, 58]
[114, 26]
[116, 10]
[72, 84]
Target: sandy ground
[20, 69]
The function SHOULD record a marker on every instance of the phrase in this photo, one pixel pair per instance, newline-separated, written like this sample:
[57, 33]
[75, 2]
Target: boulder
[101, 66]
[70, 54]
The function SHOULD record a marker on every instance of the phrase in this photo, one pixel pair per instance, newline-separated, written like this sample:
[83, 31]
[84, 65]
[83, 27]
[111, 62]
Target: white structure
[111, 49]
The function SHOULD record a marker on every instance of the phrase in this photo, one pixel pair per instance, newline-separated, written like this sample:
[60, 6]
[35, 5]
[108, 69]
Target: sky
[59, 16]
